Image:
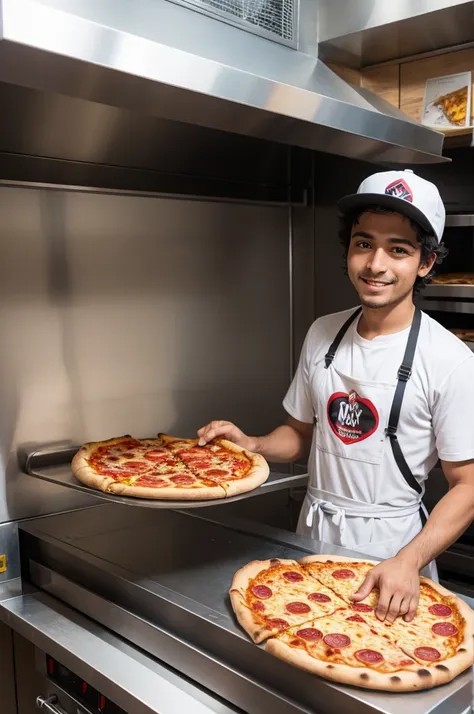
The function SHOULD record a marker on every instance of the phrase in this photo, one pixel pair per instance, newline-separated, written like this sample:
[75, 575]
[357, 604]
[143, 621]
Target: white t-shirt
[437, 415]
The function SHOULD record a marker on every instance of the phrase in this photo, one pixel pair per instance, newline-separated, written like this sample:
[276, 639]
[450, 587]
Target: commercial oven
[453, 307]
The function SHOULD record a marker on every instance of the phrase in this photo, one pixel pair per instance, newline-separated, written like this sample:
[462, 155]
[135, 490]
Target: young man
[380, 394]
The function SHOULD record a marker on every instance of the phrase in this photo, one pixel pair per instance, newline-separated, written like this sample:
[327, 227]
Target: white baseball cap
[403, 192]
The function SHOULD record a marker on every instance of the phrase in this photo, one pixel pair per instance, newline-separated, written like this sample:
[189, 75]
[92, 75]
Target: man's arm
[288, 442]
[398, 577]
[448, 519]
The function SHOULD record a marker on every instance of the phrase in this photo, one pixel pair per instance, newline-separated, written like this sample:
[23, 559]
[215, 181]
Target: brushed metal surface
[107, 53]
[123, 314]
[121, 672]
[174, 591]
[449, 291]
[460, 219]
[438, 305]
[372, 31]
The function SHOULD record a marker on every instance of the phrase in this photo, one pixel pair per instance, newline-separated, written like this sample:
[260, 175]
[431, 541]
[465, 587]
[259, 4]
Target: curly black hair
[426, 240]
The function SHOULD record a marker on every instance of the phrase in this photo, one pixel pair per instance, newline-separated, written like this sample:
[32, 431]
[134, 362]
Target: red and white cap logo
[400, 189]
[404, 192]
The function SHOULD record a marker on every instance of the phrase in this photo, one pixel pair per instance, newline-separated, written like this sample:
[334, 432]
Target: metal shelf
[449, 291]
[461, 220]
[458, 306]
[54, 465]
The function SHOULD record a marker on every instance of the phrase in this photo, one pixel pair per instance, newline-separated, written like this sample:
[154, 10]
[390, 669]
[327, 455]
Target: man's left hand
[398, 583]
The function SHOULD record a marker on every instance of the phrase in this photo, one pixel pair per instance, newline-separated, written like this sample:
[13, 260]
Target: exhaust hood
[164, 60]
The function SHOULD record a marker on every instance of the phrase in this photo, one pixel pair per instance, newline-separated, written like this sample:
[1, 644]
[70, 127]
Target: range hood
[164, 60]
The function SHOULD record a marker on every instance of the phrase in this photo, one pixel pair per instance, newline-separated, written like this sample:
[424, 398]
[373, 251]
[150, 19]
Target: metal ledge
[53, 464]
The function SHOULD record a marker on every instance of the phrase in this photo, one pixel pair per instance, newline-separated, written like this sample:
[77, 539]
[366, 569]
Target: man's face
[384, 259]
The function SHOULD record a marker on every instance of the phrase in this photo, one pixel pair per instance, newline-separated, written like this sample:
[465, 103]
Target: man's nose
[377, 262]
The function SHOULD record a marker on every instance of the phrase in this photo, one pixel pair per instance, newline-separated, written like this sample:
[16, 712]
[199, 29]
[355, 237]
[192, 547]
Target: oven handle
[49, 705]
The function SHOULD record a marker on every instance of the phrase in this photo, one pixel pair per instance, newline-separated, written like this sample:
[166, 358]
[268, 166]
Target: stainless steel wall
[126, 314]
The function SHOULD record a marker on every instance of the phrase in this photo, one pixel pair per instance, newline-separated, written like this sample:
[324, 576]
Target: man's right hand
[226, 430]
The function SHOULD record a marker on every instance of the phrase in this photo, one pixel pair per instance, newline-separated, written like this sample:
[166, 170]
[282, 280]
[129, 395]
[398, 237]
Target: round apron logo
[352, 418]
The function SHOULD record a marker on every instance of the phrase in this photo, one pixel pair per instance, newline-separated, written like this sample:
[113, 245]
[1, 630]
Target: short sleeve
[453, 414]
[298, 402]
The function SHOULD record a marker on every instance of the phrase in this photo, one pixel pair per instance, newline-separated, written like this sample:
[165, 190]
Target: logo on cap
[400, 189]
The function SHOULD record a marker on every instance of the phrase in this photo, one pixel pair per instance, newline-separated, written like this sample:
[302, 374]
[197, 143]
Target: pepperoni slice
[199, 464]
[113, 458]
[293, 576]
[337, 640]
[343, 574]
[310, 634]
[368, 656]
[258, 606]
[129, 455]
[217, 472]
[445, 629]
[319, 597]
[275, 622]
[262, 592]
[150, 481]
[298, 608]
[355, 618]
[406, 662]
[427, 653]
[182, 479]
[137, 466]
[156, 455]
[440, 610]
[362, 607]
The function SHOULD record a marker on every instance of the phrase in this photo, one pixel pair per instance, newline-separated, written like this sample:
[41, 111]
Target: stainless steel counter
[159, 580]
[130, 678]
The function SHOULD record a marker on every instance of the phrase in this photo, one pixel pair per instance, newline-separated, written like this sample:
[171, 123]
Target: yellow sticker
[3, 563]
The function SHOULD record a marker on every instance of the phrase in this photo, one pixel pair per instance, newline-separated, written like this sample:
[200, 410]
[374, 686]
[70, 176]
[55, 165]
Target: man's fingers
[383, 604]
[412, 609]
[365, 589]
[394, 608]
[210, 431]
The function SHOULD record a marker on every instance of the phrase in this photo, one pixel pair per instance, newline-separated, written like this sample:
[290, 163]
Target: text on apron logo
[351, 417]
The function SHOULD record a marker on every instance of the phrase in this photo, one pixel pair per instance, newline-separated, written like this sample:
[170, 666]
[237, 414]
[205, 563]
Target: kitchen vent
[271, 18]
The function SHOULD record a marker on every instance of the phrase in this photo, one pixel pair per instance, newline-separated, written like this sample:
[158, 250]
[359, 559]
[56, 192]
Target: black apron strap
[404, 374]
[331, 353]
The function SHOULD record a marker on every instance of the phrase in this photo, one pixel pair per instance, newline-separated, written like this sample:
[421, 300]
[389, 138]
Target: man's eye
[363, 244]
[400, 251]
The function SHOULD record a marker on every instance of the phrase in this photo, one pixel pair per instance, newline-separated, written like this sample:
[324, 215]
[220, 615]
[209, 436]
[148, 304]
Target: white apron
[346, 417]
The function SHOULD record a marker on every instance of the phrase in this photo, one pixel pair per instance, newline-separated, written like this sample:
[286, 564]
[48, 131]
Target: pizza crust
[205, 493]
[403, 681]
[84, 473]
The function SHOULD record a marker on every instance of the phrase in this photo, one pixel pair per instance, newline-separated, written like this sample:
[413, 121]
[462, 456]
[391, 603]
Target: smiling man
[380, 394]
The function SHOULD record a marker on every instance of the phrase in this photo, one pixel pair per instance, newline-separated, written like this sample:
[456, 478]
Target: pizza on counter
[453, 279]
[169, 468]
[454, 105]
[303, 613]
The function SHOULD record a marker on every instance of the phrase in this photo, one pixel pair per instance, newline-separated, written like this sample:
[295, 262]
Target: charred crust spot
[424, 673]
[442, 667]
[462, 649]
[395, 679]
[365, 677]
[274, 561]
[330, 666]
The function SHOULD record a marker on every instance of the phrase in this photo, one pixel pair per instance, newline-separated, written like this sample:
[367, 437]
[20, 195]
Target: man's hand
[225, 430]
[398, 582]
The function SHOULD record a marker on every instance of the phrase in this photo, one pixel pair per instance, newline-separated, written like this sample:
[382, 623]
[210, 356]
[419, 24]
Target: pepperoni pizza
[304, 612]
[169, 468]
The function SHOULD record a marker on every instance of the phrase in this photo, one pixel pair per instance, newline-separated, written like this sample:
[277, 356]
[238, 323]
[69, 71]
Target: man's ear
[425, 267]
